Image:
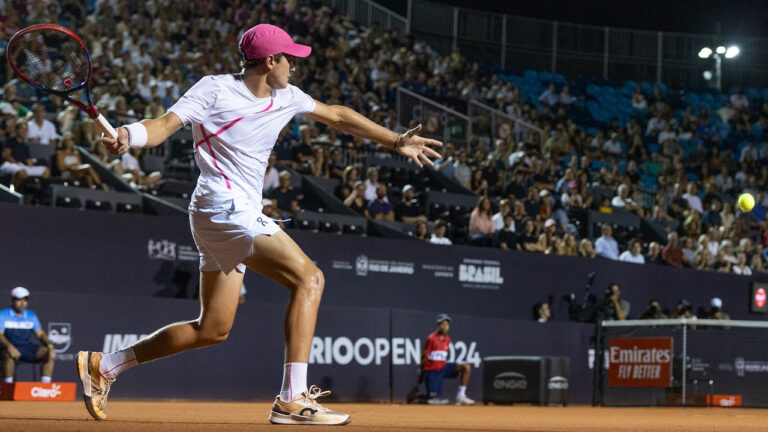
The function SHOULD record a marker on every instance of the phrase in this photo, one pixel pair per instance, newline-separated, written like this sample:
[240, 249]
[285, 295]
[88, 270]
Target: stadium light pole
[718, 54]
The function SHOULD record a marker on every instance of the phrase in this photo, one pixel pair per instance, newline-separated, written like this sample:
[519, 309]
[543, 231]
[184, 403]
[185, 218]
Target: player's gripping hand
[117, 146]
[412, 146]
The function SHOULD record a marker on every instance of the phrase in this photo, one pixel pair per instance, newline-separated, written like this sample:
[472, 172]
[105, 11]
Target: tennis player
[235, 121]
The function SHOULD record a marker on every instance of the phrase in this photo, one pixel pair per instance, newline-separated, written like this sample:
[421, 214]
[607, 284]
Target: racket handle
[105, 127]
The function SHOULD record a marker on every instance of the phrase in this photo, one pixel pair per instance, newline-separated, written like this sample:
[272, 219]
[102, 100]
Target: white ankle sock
[117, 362]
[294, 380]
[462, 392]
[45, 379]
[9, 380]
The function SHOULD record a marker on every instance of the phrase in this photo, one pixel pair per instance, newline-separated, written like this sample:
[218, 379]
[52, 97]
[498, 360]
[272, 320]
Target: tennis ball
[746, 202]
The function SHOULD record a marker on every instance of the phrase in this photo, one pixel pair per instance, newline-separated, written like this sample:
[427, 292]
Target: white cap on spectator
[716, 302]
[406, 188]
[266, 202]
[543, 193]
[19, 292]
[549, 223]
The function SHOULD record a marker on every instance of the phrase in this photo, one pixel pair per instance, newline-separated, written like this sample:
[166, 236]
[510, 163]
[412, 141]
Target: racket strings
[51, 59]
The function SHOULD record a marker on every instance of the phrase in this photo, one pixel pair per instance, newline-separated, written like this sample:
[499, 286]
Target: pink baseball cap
[265, 40]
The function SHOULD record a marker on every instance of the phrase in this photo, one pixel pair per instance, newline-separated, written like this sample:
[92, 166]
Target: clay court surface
[215, 416]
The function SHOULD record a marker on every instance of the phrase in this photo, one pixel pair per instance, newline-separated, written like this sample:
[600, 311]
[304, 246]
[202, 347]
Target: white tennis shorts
[224, 232]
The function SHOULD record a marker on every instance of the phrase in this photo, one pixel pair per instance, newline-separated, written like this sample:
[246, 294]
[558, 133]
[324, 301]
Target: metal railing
[439, 122]
[367, 12]
[517, 43]
[491, 122]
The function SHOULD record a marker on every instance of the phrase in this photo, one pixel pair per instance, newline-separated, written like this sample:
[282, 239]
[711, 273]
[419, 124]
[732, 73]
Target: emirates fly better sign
[640, 362]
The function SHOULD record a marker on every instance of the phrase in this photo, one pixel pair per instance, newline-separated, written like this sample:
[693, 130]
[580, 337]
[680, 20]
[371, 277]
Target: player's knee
[312, 280]
[213, 337]
[212, 334]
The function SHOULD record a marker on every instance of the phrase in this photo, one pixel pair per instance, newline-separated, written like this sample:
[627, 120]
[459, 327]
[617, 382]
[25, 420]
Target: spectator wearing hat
[683, 310]
[408, 210]
[17, 325]
[438, 236]
[606, 246]
[715, 311]
[435, 366]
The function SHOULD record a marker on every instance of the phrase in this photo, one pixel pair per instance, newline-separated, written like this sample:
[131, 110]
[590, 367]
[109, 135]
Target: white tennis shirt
[234, 133]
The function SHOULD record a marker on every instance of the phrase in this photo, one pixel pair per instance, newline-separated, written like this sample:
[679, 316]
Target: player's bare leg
[219, 296]
[281, 259]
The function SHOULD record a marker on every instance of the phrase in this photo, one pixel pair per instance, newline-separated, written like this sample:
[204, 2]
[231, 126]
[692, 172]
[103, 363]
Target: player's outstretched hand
[117, 146]
[413, 146]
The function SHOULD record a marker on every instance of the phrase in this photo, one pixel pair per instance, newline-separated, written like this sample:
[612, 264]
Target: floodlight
[707, 74]
[720, 50]
[732, 51]
[705, 52]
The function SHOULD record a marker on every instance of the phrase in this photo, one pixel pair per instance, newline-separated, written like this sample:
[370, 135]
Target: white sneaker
[463, 400]
[437, 401]
[304, 410]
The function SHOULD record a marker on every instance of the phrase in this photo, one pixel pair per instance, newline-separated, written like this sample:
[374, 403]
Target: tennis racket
[53, 59]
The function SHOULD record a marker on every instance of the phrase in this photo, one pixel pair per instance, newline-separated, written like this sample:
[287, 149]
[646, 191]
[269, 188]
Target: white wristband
[137, 135]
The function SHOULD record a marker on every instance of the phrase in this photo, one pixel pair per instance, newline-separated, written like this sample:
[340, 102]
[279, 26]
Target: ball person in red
[435, 365]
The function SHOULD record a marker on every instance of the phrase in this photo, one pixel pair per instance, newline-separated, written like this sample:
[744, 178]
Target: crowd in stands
[673, 163]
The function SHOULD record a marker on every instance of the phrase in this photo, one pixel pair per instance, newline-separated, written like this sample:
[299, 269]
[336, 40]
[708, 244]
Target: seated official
[17, 325]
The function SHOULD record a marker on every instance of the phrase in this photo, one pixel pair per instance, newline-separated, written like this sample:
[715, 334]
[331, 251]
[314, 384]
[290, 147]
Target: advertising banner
[90, 252]
[640, 362]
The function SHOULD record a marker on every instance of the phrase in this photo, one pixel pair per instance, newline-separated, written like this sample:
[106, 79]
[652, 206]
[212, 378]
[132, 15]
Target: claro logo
[558, 383]
[39, 392]
[510, 381]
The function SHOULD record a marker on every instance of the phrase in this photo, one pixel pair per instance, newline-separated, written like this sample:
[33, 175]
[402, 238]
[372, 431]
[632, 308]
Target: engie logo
[117, 341]
[510, 381]
[558, 383]
[365, 351]
[60, 335]
[478, 273]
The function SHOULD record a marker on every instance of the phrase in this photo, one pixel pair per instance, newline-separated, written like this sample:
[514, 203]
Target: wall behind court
[88, 252]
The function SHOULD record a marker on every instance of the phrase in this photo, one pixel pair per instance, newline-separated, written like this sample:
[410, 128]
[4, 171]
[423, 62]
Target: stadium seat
[308, 225]
[68, 202]
[330, 227]
[353, 229]
[98, 205]
[127, 208]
